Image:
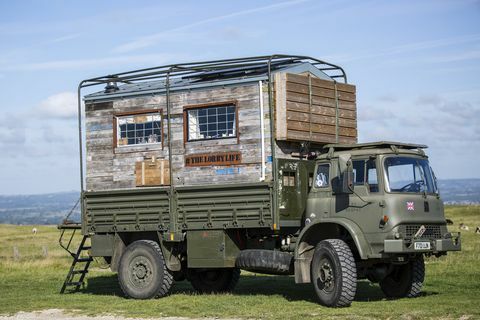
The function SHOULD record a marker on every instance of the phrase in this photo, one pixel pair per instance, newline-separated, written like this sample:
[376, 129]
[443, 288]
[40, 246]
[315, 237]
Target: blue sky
[415, 64]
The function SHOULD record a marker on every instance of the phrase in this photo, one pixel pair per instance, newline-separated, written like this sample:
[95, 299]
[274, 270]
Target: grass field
[32, 282]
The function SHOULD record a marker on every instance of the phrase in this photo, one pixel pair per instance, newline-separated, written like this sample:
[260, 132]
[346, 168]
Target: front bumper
[450, 242]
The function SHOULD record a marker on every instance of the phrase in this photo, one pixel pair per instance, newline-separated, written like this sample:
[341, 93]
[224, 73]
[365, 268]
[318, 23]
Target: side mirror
[346, 173]
[347, 183]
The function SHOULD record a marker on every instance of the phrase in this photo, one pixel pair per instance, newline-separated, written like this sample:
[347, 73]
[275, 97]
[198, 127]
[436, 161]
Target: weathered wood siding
[300, 115]
[110, 167]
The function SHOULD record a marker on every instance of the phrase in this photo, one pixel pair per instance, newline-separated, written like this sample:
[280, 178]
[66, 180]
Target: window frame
[207, 105]
[386, 184]
[365, 174]
[116, 115]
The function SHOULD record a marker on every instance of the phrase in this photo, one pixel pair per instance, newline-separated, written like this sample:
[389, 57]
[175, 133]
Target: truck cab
[382, 201]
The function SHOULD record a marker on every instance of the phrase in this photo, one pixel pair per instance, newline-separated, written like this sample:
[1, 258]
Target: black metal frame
[193, 69]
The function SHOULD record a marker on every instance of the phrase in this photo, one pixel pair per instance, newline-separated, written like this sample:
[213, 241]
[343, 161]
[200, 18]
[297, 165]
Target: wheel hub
[326, 275]
[140, 271]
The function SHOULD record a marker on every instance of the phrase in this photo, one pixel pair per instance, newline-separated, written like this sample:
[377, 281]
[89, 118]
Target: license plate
[424, 245]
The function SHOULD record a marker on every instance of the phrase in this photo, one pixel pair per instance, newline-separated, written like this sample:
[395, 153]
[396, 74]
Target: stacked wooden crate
[311, 109]
[152, 172]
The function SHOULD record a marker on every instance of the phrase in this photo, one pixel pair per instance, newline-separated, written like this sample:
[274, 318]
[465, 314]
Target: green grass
[32, 282]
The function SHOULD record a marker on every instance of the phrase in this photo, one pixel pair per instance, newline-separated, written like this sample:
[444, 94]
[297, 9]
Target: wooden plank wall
[110, 167]
[306, 109]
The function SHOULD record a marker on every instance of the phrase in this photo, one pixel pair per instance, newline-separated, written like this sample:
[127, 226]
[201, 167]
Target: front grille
[431, 232]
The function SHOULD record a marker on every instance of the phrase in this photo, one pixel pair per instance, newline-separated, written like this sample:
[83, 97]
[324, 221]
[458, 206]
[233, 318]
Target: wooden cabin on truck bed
[183, 128]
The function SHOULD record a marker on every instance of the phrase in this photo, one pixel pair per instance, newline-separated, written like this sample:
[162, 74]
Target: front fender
[353, 229]
[320, 230]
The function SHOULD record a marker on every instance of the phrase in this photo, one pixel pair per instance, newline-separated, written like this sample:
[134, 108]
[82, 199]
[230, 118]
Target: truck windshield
[407, 174]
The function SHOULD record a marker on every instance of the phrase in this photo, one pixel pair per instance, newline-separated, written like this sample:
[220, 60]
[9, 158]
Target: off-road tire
[405, 280]
[214, 280]
[334, 273]
[142, 272]
[265, 261]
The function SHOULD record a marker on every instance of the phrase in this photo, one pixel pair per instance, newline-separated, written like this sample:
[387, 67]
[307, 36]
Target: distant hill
[53, 207]
[48, 208]
[460, 191]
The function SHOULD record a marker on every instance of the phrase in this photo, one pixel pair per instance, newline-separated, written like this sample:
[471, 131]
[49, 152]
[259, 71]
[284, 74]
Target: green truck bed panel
[194, 208]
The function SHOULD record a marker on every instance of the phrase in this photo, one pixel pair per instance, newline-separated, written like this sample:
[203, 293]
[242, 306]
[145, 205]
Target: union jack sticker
[410, 206]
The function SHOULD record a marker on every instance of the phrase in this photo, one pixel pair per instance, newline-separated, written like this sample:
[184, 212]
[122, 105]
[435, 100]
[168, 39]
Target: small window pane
[372, 176]
[139, 129]
[359, 172]
[322, 179]
[289, 179]
[211, 123]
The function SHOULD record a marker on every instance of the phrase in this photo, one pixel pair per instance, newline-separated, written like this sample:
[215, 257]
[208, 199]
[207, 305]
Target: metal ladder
[81, 256]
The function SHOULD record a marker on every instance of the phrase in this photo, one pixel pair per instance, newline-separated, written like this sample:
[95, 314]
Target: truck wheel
[405, 280]
[142, 272]
[334, 273]
[214, 280]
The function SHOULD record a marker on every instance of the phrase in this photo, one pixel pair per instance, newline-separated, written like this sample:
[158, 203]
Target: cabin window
[289, 179]
[322, 179]
[365, 173]
[139, 129]
[211, 122]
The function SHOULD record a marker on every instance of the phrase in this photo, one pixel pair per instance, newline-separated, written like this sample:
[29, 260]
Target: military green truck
[258, 169]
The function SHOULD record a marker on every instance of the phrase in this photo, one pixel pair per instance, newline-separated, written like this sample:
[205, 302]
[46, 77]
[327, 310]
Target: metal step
[89, 259]
[74, 283]
[79, 271]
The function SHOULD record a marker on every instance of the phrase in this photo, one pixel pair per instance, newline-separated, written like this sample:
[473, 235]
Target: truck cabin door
[363, 206]
[295, 178]
[319, 199]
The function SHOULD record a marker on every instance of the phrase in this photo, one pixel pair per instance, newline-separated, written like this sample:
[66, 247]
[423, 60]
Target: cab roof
[375, 145]
[372, 148]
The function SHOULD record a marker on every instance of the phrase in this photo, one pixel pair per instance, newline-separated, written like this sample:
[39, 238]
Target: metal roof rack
[217, 68]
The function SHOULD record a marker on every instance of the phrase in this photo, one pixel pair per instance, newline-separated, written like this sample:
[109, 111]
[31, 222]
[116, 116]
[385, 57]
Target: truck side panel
[195, 208]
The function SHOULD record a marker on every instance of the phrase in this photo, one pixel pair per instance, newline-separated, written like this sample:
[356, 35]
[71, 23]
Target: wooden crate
[311, 109]
[152, 172]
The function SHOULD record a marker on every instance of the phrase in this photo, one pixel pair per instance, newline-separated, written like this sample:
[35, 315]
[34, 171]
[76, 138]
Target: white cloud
[65, 38]
[435, 120]
[156, 59]
[374, 113]
[458, 56]
[388, 98]
[60, 105]
[152, 39]
[417, 47]
[12, 130]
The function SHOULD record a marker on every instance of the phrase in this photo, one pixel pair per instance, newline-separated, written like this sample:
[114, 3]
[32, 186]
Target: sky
[416, 65]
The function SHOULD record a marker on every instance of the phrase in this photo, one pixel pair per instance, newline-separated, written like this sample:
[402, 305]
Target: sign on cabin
[213, 159]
